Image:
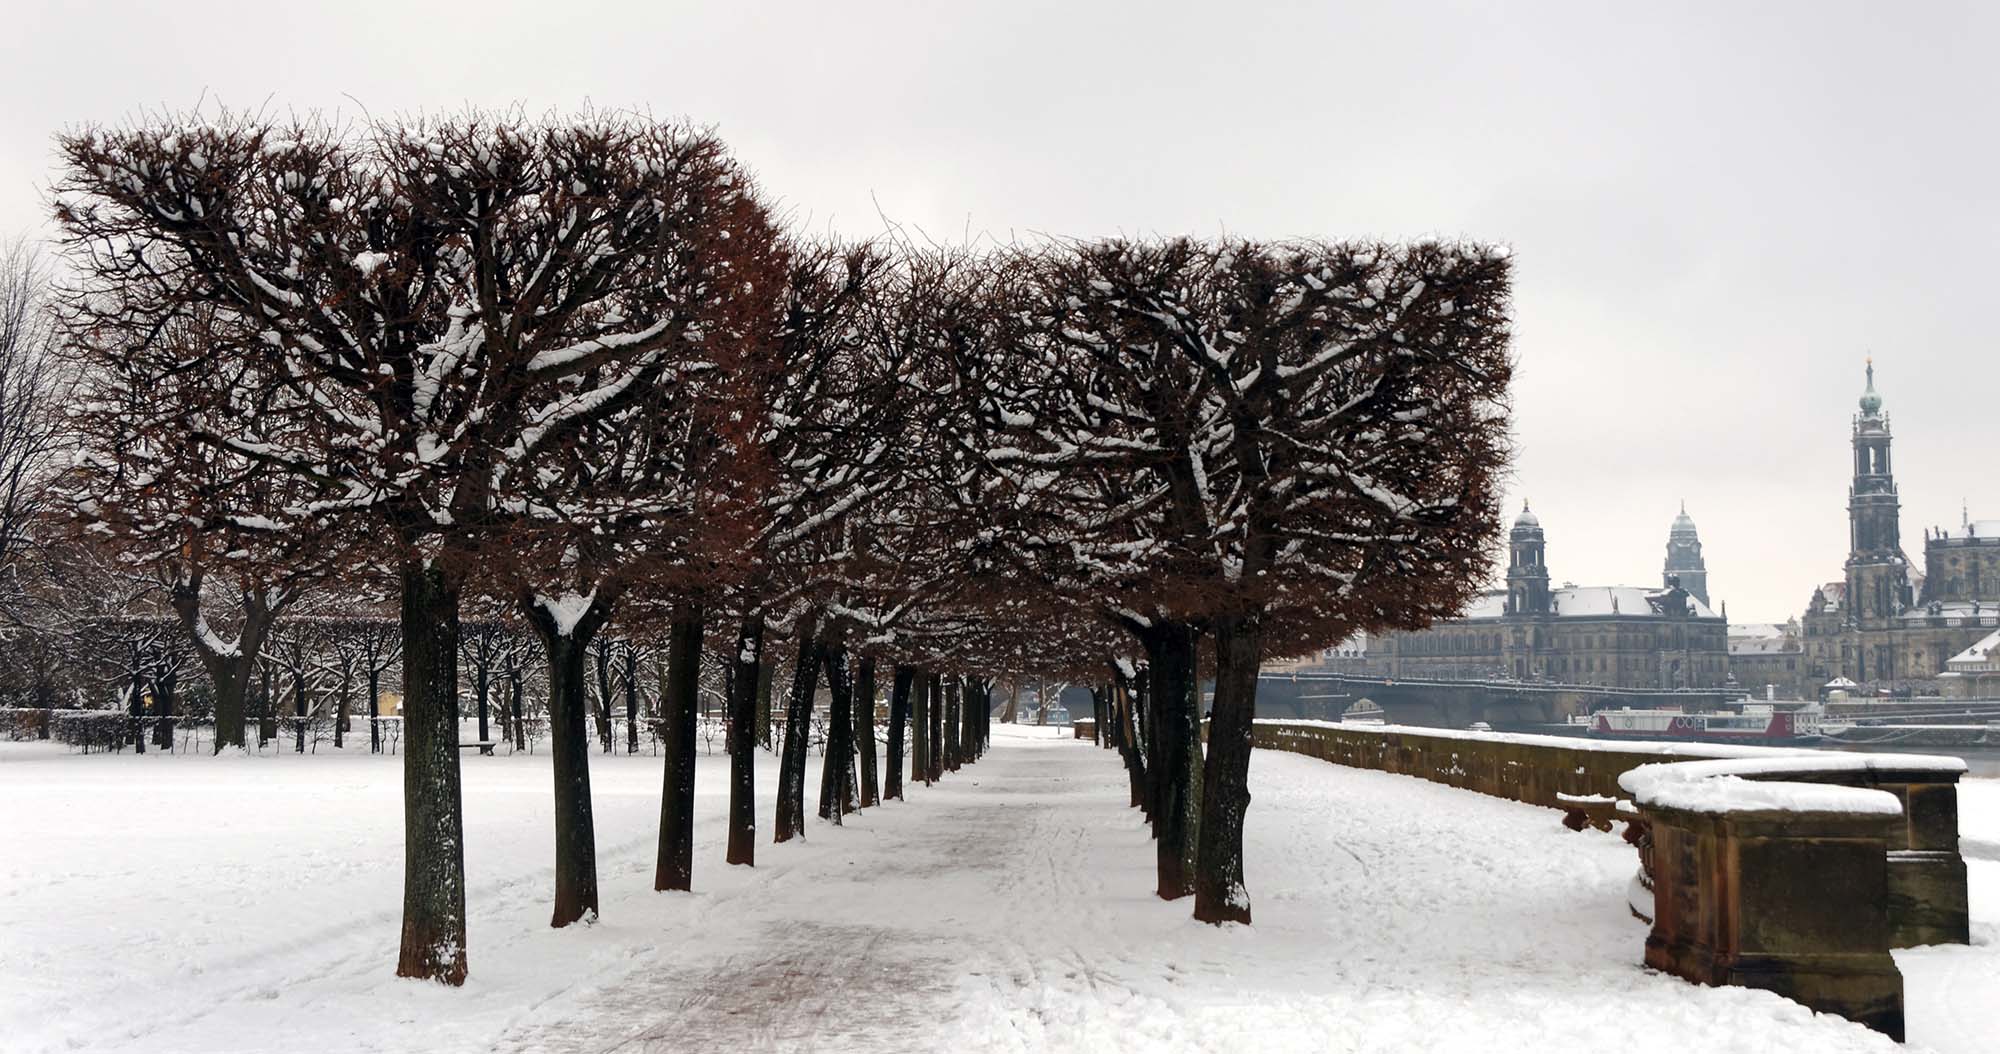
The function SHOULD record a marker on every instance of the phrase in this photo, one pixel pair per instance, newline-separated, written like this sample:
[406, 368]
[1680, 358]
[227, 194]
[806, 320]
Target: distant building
[1884, 625]
[1352, 655]
[1623, 636]
[1769, 654]
[1684, 563]
[1975, 672]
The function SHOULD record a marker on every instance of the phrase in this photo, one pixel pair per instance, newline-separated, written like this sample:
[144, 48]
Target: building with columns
[1884, 624]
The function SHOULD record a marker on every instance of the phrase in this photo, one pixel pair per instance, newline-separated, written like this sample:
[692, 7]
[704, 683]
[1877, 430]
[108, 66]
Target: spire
[1871, 400]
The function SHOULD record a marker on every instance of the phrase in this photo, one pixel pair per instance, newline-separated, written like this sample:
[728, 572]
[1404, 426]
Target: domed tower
[1878, 583]
[1684, 557]
[1527, 570]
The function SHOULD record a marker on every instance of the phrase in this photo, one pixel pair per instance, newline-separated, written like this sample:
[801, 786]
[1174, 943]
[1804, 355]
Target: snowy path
[183, 904]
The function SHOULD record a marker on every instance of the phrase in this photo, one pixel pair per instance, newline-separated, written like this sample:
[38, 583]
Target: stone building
[1624, 636]
[1883, 624]
[1684, 561]
[1769, 656]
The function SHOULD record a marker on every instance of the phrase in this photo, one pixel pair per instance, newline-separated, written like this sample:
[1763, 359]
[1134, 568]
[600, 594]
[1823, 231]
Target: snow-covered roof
[1954, 609]
[1592, 601]
[1980, 654]
[1489, 605]
[1589, 602]
[1756, 629]
[1762, 645]
[1983, 529]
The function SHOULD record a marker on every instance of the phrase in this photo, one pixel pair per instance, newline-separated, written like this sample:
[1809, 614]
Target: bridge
[1456, 704]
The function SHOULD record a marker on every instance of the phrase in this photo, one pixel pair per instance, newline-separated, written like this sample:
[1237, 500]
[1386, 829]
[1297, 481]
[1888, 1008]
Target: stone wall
[1789, 886]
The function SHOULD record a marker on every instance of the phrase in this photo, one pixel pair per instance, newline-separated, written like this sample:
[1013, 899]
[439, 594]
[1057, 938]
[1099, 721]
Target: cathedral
[1884, 624]
[1623, 636]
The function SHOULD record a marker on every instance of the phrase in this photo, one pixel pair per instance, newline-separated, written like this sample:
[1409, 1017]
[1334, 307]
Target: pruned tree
[430, 305]
[1243, 436]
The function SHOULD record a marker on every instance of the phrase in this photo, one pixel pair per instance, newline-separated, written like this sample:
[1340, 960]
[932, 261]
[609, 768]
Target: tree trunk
[968, 721]
[954, 704]
[164, 710]
[569, 750]
[433, 941]
[920, 728]
[345, 704]
[765, 668]
[1219, 895]
[791, 818]
[675, 866]
[934, 734]
[267, 714]
[374, 710]
[864, 735]
[299, 708]
[602, 662]
[1128, 737]
[228, 671]
[135, 707]
[899, 722]
[230, 676]
[836, 765]
[500, 711]
[1170, 650]
[517, 689]
[631, 698]
[745, 670]
[480, 670]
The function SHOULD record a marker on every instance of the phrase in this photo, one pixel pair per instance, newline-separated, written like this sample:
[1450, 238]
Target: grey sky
[1716, 213]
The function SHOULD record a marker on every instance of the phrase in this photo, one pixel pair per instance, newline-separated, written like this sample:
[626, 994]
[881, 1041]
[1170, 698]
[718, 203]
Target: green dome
[1871, 401]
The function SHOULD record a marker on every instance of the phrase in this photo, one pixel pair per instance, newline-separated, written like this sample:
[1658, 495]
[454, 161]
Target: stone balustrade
[1785, 869]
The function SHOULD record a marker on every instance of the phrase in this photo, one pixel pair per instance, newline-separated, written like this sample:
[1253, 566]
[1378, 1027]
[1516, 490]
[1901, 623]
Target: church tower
[1684, 558]
[1877, 572]
[1527, 571]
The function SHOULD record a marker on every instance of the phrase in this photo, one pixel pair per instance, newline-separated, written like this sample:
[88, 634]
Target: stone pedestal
[1794, 902]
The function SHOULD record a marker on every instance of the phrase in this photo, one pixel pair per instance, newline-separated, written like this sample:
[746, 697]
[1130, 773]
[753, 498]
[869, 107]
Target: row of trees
[575, 368]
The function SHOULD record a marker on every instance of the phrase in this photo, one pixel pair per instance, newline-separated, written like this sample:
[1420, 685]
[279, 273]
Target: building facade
[1884, 625]
[1684, 563]
[1622, 636]
[1769, 658]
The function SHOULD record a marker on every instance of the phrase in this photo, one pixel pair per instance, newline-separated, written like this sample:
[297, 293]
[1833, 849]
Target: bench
[485, 746]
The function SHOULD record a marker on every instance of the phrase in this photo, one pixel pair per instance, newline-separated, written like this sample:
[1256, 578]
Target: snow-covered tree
[1290, 440]
[425, 307]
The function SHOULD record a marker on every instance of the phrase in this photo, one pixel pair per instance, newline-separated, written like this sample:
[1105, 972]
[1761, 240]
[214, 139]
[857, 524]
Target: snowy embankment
[250, 904]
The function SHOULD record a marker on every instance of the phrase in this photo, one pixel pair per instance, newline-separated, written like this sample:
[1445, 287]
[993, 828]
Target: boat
[1753, 724]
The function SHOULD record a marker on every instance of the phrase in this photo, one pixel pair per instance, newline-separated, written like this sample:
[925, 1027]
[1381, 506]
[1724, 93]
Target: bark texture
[744, 672]
[433, 938]
[791, 817]
[1219, 894]
[864, 731]
[675, 867]
[569, 750]
[1177, 789]
[900, 684]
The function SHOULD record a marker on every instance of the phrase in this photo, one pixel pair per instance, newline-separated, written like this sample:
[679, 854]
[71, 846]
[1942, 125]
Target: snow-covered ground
[250, 904]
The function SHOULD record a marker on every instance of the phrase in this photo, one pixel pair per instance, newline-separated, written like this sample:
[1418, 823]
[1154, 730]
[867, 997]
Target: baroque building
[1684, 563]
[1883, 624]
[1623, 636]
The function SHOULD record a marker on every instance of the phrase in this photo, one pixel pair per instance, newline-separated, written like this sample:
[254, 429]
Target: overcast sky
[1716, 214]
